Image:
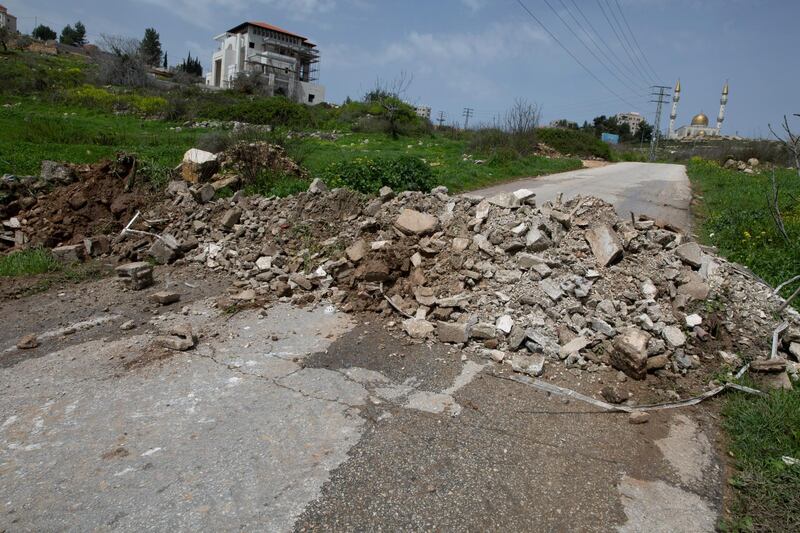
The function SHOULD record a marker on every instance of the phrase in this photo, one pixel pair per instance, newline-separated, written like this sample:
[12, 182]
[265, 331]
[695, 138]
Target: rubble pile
[558, 285]
[748, 167]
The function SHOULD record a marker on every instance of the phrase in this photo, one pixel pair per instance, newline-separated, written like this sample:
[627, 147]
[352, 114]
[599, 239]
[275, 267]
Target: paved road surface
[657, 190]
[307, 419]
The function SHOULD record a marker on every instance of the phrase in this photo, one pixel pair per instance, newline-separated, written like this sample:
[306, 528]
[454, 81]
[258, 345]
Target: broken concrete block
[264, 263]
[52, 171]
[527, 261]
[696, 290]
[198, 165]
[460, 244]
[317, 186]
[505, 323]
[301, 281]
[205, 193]
[483, 244]
[506, 200]
[416, 223]
[230, 218]
[537, 241]
[605, 244]
[574, 346]
[385, 193]
[508, 276]
[532, 365]
[67, 255]
[28, 342]
[136, 276]
[691, 254]
[452, 332]
[495, 355]
[630, 352]
[165, 250]
[551, 289]
[96, 246]
[417, 329]
[694, 320]
[165, 297]
[482, 330]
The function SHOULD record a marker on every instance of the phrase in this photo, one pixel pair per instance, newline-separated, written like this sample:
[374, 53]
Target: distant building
[423, 112]
[288, 61]
[7, 20]
[699, 127]
[564, 124]
[633, 120]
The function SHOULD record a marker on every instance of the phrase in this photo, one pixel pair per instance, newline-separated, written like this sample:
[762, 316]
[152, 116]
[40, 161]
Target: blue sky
[485, 53]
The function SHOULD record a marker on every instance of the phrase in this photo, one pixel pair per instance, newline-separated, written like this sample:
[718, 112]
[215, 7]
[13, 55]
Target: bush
[403, 173]
[276, 111]
[576, 143]
[96, 97]
[500, 145]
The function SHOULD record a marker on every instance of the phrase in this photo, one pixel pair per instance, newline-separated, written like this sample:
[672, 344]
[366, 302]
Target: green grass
[446, 157]
[32, 130]
[733, 215]
[762, 430]
[28, 263]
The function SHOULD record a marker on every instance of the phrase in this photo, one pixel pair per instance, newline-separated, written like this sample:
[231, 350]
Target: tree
[5, 37]
[166, 62]
[43, 33]
[191, 65]
[150, 48]
[75, 36]
[791, 141]
[123, 64]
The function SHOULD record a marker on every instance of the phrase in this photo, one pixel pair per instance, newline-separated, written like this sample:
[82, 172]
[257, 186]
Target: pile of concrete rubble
[533, 286]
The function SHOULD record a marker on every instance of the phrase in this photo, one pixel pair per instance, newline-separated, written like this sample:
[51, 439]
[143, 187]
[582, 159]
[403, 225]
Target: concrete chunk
[630, 353]
[606, 245]
[691, 254]
[414, 222]
[452, 332]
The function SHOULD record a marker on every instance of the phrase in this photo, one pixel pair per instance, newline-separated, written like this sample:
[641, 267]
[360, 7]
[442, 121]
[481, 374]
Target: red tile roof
[266, 26]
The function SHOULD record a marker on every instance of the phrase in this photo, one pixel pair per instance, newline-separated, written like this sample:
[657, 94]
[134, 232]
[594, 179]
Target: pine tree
[166, 63]
[151, 47]
[43, 33]
[74, 36]
[191, 65]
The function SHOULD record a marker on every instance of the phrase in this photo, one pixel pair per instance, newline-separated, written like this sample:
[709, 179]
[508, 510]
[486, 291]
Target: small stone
[506, 200]
[551, 289]
[244, 296]
[657, 362]
[694, 320]
[505, 323]
[127, 325]
[674, 336]
[537, 241]
[180, 338]
[460, 244]
[601, 326]
[356, 251]
[630, 352]
[613, 395]
[67, 255]
[301, 281]
[231, 218]
[533, 365]
[264, 263]
[385, 193]
[574, 346]
[691, 254]
[28, 342]
[165, 297]
[495, 355]
[417, 329]
[639, 417]
[416, 260]
[205, 193]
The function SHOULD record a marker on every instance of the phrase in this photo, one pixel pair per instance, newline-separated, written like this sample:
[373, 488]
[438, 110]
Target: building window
[311, 98]
[252, 45]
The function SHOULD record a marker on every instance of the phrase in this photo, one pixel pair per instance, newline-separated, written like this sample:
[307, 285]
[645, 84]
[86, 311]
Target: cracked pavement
[308, 420]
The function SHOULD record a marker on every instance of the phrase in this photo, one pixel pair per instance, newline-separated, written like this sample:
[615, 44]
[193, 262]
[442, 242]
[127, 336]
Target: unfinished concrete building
[289, 63]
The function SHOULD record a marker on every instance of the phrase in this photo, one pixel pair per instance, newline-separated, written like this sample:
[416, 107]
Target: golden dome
[700, 120]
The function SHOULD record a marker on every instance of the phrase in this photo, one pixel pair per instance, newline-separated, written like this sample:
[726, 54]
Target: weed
[28, 263]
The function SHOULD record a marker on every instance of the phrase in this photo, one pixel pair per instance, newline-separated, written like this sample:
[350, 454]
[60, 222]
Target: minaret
[676, 97]
[722, 103]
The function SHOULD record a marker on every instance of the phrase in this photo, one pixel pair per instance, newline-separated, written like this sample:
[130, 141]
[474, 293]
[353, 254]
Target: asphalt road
[312, 420]
[657, 190]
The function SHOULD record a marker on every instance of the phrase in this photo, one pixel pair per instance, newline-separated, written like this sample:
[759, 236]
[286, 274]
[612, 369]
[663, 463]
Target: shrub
[403, 173]
[571, 142]
[273, 183]
[276, 111]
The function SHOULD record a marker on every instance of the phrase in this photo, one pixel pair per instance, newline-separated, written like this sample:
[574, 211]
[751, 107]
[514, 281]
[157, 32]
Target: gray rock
[516, 337]
[508, 276]
[605, 244]
[674, 337]
[495, 355]
[301, 281]
[165, 297]
[505, 200]
[574, 346]
[74, 253]
[630, 352]
[317, 187]
[231, 217]
[385, 193]
[551, 289]
[532, 365]
[180, 338]
[601, 326]
[537, 241]
[691, 254]
[165, 250]
[136, 276]
[205, 193]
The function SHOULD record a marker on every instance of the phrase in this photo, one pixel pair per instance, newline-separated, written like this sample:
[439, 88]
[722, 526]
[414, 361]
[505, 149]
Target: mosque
[699, 127]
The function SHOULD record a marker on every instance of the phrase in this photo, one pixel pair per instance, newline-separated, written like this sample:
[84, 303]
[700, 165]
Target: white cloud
[204, 13]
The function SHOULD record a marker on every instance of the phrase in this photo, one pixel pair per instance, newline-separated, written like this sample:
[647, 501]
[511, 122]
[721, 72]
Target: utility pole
[660, 99]
[441, 119]
[467, 114]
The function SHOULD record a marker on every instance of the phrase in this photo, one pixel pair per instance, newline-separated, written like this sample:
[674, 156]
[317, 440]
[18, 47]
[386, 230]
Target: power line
[603, 41]
[635, 40]
[578, 61]
[600, 61]
[596, 45]
[622, 43]
[627, 40]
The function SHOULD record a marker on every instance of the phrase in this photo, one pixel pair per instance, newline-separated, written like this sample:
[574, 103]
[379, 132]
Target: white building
[633, 120]
[288, 61]
[423, 112]
[7, 20]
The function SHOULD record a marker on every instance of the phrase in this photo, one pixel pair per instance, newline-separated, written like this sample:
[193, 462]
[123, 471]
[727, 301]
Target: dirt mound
[97, 202]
